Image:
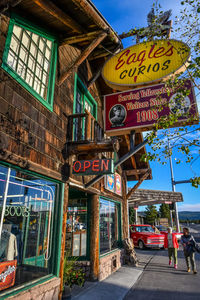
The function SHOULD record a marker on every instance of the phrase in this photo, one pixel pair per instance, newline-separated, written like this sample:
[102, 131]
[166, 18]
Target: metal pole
[171, 218]
[173, 189]
[136, 215]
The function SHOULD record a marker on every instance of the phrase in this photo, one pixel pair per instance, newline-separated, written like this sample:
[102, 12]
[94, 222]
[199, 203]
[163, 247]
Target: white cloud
[189, 207]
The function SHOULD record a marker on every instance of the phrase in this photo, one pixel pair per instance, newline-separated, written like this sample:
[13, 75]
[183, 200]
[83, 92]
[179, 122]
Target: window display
[76, 231]
[26, 222]
[109, 225]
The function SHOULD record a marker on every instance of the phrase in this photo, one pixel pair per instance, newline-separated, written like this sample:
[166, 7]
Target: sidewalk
[116, 286]
[161, 281]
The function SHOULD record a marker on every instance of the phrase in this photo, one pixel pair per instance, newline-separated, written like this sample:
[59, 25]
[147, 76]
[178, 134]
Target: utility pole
[136, 215]
[173, 189]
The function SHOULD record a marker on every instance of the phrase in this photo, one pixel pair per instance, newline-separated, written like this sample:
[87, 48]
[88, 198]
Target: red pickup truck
[144, 236]
[163, 230]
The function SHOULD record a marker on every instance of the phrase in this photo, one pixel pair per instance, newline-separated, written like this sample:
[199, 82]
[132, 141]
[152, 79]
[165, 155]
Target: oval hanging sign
[145, 63]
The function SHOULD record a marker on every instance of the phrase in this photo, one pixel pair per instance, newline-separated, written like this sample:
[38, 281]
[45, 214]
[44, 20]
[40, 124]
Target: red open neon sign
[93, 167]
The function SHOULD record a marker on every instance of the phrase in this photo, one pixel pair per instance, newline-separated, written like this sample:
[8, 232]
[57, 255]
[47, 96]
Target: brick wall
[45, 291]
[110, 263]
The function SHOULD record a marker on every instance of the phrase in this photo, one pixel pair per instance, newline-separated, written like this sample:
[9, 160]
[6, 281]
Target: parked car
[163, 230]
[144, 236]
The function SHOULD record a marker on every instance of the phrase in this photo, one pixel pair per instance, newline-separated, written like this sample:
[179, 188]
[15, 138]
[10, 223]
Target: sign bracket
[133, 149]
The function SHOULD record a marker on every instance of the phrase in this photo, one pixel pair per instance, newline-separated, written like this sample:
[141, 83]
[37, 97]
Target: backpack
[197, 247]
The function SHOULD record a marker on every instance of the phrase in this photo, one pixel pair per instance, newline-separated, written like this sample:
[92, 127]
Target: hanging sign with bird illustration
[146, 63]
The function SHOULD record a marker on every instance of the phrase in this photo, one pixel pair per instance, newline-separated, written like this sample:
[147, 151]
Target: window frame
[16, 20]
[119, 226]
[56, 234]
[85, 94]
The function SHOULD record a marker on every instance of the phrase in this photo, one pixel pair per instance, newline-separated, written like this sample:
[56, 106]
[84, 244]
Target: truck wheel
[141, 244]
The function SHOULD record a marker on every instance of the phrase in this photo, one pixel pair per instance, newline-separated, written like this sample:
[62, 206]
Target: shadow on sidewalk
[161, 294]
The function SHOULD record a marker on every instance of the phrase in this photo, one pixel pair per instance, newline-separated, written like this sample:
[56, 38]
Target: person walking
[172, 245]
[189, 243]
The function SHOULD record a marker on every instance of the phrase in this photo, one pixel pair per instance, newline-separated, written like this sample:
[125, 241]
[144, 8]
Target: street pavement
[159, 281]
[154, 279]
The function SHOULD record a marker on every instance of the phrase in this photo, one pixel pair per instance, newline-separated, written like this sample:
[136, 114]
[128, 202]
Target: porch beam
[95, 147]
[133, 149]
[98, 54]
[83, 56]
[95, 77]
[135, 172]
[128, 195]
[133, 162]
[59, 14]
[80, 38]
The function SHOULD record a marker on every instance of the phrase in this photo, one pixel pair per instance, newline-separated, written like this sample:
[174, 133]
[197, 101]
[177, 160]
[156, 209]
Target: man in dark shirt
[118, 117]
[188, 242]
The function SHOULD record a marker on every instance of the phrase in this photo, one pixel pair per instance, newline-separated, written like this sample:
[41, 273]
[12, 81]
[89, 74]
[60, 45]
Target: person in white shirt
[172, 245]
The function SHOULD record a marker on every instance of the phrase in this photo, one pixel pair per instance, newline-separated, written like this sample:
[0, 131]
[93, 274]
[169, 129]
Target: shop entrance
[77, 227]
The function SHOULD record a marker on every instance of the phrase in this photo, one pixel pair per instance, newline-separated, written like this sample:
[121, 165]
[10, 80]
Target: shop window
[76, 231]
[30, 57]
[109, 225]
[83, 101]
[27, 206]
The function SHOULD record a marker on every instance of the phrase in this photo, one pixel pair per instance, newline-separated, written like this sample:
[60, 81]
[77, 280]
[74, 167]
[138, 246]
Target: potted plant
[72, 275]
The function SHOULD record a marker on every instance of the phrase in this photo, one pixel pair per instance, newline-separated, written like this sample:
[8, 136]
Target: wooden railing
[84, 127]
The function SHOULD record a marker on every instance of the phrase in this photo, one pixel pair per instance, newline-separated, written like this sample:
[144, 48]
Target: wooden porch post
[124, 210]
[94, 238]
[65, 205]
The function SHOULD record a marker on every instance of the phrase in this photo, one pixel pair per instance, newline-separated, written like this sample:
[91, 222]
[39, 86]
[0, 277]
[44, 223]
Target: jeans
[173, 252]
[190, 259]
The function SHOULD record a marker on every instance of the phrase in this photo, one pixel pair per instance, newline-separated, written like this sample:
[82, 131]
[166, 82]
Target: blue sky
[122, 16]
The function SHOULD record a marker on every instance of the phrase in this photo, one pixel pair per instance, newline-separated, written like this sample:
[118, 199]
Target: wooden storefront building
[51, 112]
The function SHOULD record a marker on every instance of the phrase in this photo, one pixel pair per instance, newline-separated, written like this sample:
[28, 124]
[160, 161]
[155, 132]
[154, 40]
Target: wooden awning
[80, 24]
[74, 22]
[143, 197]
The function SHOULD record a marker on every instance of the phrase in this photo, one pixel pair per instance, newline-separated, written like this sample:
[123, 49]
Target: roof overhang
[74, 22]
[78, 23]
[143, 197]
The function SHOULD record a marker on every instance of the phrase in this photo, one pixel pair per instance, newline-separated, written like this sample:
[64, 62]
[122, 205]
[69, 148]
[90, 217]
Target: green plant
[72, 274]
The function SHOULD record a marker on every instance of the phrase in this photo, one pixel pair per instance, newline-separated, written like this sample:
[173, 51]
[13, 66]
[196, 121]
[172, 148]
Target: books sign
[140, 109]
